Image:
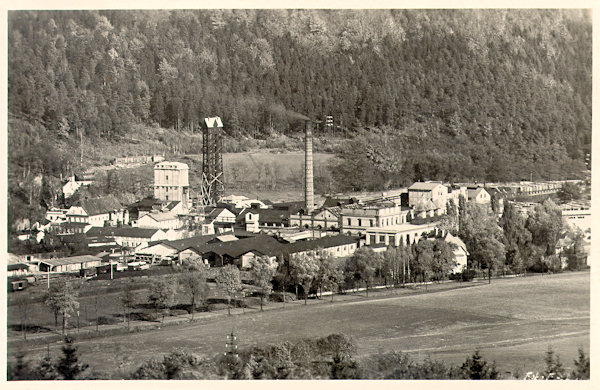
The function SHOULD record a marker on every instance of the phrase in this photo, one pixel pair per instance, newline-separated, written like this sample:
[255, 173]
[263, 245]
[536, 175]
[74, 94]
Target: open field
[511, 321]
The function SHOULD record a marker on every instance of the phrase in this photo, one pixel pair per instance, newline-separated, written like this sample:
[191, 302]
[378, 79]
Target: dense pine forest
[417, 94]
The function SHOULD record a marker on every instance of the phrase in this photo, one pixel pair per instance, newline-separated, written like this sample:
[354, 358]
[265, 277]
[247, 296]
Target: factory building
[171, 182]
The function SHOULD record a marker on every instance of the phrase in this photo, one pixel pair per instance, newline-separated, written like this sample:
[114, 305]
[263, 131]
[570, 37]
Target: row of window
[384, 221]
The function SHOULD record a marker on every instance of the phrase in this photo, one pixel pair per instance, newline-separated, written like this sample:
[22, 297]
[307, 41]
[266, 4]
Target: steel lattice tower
[212, 161]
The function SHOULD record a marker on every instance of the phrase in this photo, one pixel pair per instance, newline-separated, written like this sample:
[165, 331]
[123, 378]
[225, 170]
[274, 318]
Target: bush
[467, 275]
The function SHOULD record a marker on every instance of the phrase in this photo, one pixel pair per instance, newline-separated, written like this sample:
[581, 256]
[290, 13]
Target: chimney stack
[309, 196]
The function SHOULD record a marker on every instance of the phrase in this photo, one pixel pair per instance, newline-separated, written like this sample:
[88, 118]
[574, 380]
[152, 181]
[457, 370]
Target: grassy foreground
[511, 321]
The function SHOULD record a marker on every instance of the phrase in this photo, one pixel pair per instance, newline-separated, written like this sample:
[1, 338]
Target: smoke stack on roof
[309, 195]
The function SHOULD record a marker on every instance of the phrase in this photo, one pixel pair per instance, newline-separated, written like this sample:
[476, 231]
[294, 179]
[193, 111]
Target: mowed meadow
[512, 321]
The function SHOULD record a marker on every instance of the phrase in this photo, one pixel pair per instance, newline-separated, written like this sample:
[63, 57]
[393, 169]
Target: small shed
[70, 264]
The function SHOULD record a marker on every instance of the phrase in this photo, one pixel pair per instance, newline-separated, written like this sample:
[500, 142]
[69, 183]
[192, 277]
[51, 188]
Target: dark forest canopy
[461, 94]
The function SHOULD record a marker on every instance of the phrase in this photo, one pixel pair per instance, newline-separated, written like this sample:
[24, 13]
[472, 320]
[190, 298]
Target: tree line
[330, 357]
[510, 90]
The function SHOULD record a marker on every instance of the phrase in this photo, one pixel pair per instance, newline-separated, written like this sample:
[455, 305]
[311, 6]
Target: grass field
[511, 321]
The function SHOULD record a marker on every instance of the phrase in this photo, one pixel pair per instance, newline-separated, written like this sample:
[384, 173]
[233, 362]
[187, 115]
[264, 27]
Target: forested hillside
[453, 94]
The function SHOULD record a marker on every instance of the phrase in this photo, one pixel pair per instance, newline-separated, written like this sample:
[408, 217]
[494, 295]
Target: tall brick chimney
[309, 195]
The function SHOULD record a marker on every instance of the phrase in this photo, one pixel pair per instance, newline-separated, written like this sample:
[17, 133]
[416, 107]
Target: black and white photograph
[298, 193]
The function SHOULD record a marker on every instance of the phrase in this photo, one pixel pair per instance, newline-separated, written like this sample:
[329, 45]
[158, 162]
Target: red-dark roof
[97, 206]
[262, 244]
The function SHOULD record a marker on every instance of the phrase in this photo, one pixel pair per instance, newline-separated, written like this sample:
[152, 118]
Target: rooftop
[424, 186]
[121, 232]
[96, 206]
[325, 242]
[71, 260]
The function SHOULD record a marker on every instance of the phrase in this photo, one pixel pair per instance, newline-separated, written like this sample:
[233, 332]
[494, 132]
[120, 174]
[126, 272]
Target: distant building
[578, 214]
[358, 218]
[434, 191]
[326, 218]
[478, 195]
[159, 220]
[460, 252]
[398, 235]
[72, 186]
[98, 212]
[334, 246]
[70, 264]
[171, 182]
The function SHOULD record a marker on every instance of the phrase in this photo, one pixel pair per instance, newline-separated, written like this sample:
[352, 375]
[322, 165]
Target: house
[72, 186]
[255, 219]
[70, 264]
[144, 206]
[242, 202]
[98, 212]
[17, 269]
[70, 228]
[130, 237]
[159, 220]
[433, 191]
[478, 195]
[324, 218]
[357, 218]
[153, 253]
[455, 192]
[460, 252]
[334, 246]
[56, 215]
[397, 235]
[241, 252]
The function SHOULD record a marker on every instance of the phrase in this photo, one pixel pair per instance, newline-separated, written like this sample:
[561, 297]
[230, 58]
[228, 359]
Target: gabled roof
[263, 244]
[160, 216]
[213, 122]
[424, 186]
[185, 243]
[324, 242]
[96, 206]
[216, 212]
[145, 204]
[267, 215]
[475, 191]
[122, 232]
[172, 205]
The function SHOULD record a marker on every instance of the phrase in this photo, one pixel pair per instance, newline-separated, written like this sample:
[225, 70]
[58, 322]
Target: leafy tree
[68, 365]
[363, 265]
[62, 298]
[545, 225]
[516, 237]
[229, 279]
[304, 268]
[569, 192]
[263, 270]
[162, 294]
[330, 274]
[193, 283]
[476, 367]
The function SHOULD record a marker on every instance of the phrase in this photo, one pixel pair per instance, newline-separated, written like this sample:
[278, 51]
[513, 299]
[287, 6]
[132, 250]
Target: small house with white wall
[478, 195]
